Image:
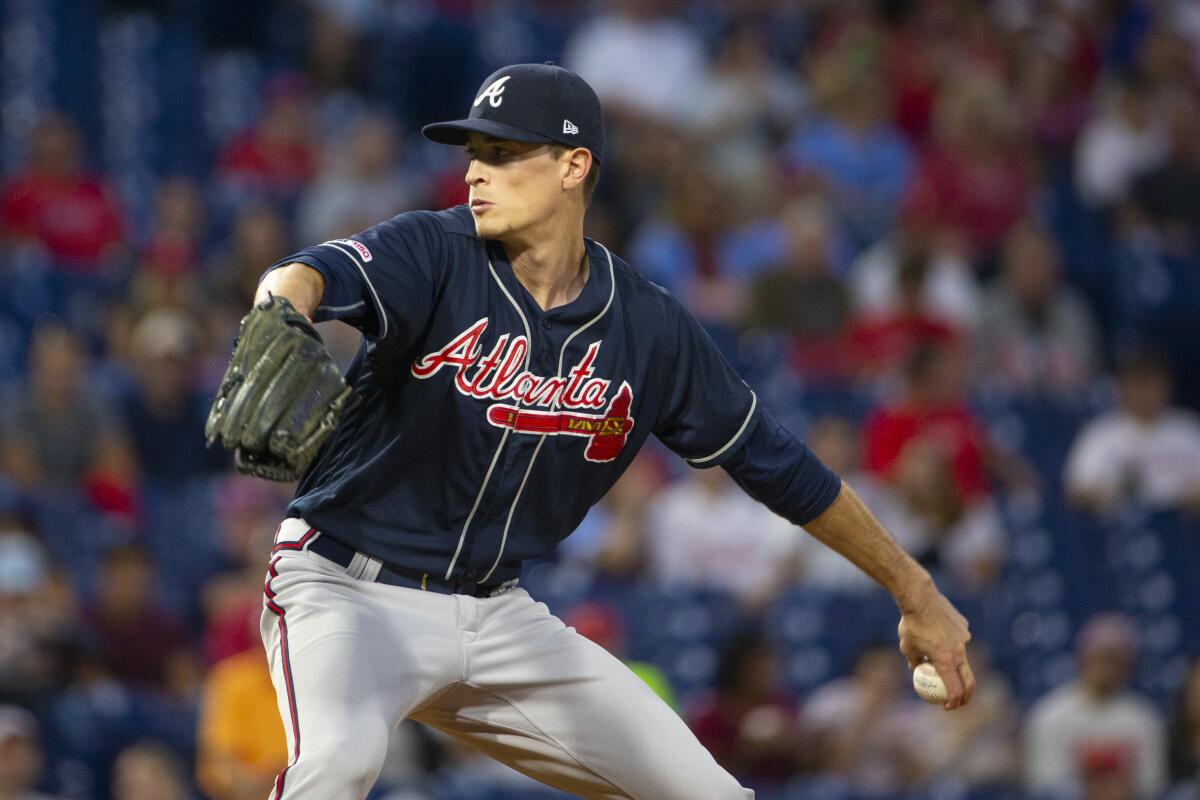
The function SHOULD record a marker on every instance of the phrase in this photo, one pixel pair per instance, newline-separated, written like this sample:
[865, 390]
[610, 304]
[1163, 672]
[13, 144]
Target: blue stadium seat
[821, 632]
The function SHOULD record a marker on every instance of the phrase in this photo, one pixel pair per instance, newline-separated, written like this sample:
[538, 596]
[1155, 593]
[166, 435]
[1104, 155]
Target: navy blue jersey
[481, 428]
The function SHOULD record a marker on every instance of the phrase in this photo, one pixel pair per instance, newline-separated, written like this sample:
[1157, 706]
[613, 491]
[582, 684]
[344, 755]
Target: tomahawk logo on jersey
[471, 403]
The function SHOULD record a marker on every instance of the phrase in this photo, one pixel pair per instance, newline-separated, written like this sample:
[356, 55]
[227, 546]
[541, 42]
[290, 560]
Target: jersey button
[546, 324]
[470, 574]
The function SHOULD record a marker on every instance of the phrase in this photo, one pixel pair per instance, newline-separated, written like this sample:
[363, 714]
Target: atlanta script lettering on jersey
[500, 375]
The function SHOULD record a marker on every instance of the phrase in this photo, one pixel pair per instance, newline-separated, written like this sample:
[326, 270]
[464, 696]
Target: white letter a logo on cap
[492, 93]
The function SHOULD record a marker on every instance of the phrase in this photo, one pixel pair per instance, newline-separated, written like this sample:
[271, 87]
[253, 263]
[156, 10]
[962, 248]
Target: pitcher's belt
[343, 555]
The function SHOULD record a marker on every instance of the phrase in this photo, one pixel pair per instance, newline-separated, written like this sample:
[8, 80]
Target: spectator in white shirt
[363, 183]
[1125, 140]
[1094, 731]
[1144, 451]
[1034, 333]
[869, 729]
[704, 531]
[641, 62]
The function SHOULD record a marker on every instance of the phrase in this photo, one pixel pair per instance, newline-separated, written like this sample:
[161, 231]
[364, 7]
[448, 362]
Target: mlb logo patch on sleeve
[361, 248]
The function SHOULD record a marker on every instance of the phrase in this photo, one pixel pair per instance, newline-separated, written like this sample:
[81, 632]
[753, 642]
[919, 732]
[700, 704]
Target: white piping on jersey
[462, 537]
[729, 444]
[612, 290]
[339, 309]
[374, 295]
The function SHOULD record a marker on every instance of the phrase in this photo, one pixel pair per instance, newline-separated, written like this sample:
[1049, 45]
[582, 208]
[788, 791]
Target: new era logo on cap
[570, 127]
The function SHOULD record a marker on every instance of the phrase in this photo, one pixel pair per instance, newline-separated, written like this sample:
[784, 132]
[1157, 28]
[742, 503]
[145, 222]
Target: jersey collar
[592, 298]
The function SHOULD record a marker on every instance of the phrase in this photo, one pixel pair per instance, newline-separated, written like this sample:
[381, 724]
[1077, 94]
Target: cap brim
[456, 132]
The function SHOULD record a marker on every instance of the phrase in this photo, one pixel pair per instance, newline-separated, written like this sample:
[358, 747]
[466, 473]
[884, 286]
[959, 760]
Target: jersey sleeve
[383, 280]
[708, 407]
[713, 418]
[778, 470]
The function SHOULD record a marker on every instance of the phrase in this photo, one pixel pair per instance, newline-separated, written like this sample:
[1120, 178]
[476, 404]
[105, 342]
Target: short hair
[590, 180]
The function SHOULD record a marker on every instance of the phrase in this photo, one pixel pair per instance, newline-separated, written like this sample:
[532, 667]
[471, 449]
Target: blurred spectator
[276, 158]
[977, 748]
[360, 185]
[930, 402]
[91, 718]
[600, 623]
[140, 643]
[167, 273]
[1124, 140]
[1053, 96]
[955, 537]
[241, 745]
[687, 249]
[1169, 194]
[641, 62]
[56, 434]
[177, 233]
[747, 723]
[149, 771]
[882, 284]
[1034, 334]
[337, 57]
[1163, 56]
[852, 150]
[838, 443]
[258, 239]
[1183, 733]
[1144, 451]
[1094, 729]
[611, 540]
[973, 180]
[57, 205]
[883, 342]
[802, 297]
[37, 613]
[21, 757]
[248, 511]
[165, 410]
[747, 105]
[869, 730]
[704, 530]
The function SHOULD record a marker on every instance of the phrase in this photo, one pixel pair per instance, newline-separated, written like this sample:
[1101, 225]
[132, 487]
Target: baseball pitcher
[510, 371]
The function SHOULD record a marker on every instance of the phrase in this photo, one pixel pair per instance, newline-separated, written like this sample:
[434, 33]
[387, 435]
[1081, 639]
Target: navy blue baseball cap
[540, 103]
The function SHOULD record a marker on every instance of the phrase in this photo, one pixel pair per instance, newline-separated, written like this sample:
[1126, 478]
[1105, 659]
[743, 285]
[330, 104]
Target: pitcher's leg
[554, 705]
[342, 678]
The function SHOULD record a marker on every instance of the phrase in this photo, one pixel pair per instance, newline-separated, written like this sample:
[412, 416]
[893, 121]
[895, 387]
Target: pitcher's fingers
[954, 685]
[968, 679]
[911, 653]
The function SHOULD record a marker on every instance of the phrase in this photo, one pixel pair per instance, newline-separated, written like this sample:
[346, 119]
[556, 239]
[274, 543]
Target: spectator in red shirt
[882, 343]
[750, 728]
[167, 274]
[275, 159]
[141, 644]
[53, 203]
[930, 404]
[972, 180]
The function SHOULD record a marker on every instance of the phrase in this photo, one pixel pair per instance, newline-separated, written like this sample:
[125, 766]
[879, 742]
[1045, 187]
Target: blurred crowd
[954, 245]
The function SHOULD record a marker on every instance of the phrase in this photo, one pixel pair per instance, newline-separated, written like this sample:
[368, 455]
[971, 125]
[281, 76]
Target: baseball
[929, 685]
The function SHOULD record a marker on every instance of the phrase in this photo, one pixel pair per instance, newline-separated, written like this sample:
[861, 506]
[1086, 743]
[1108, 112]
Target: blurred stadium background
[954, 244]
